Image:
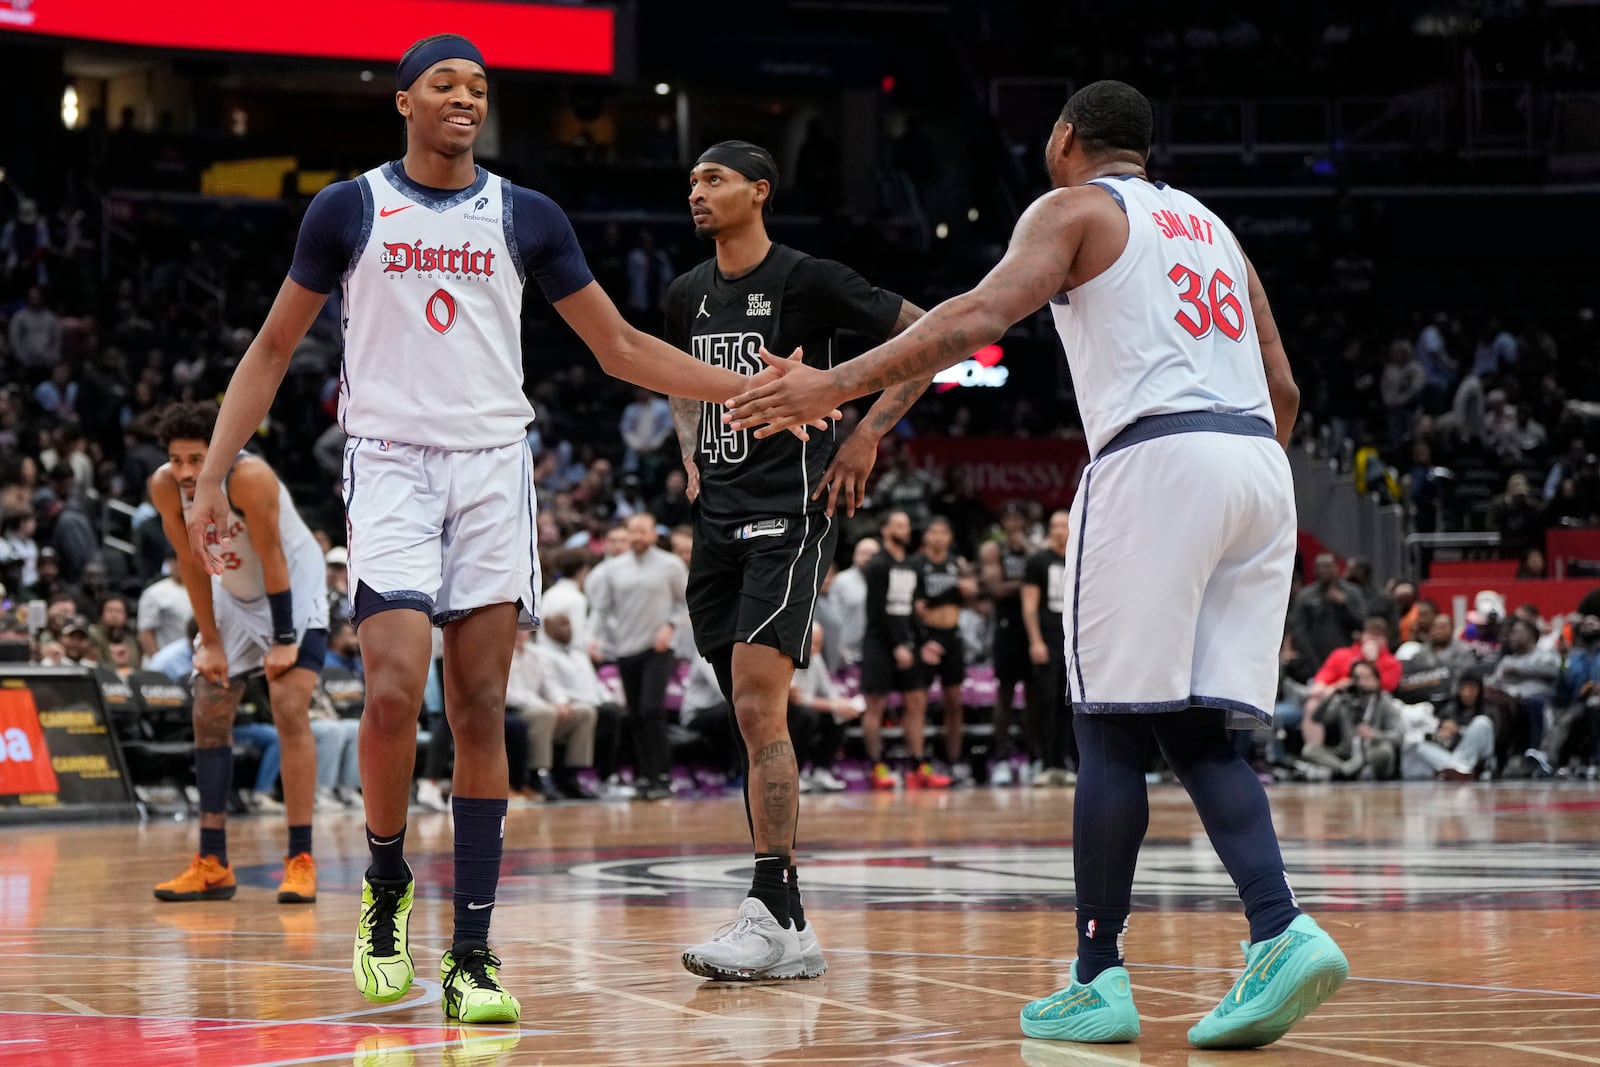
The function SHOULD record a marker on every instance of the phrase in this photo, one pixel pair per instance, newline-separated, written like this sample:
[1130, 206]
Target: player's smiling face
[721, 199]
[446, 106]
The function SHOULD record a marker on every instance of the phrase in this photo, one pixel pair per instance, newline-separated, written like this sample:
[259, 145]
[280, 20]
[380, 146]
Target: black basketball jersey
[891, 595]
[789, 300]
[938, 583]
[1014, 568]
[1048, 571]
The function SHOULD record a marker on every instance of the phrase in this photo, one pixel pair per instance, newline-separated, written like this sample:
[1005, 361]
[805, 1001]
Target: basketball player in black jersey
[945, 582]
[763, 534]
[1001, 567]
[1043, 593]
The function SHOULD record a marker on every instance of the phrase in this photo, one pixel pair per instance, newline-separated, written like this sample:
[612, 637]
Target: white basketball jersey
[433, 319]
[1167, 328]
[241, 576]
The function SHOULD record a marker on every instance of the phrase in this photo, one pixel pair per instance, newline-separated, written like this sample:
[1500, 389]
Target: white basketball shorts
[245, 626]
[444, 531]
[1179, 575]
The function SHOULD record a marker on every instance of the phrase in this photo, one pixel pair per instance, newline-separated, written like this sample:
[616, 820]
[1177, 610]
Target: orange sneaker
[206, 879]
[925, 777]
[883, 777]
[299, 880]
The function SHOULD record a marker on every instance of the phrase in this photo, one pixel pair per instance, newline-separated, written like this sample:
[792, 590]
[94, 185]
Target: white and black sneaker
[811, 961]
[752, 948]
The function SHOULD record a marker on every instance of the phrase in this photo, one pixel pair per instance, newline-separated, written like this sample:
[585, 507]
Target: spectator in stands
[646, 425]
[1565, 467]
[344, 651]
[581, 710]
[706, 714]
[1463, 738]
[957, 501]
[1372, 646]
[1532, 567]
[637, 605]
[903, 486]
[1327, 612]
[818, 710]
[847, 600]
[1524, 683]
[50, 586]
[75, 538]
[57, 395]
[78, 647]
[175, 659]
[35, 336]
[1517, 517]
[1364, 728]
[671, 506]
[338, 754]
[19, 553]
[1295, 670]
[1401, 388]
[1439, 648]
[1578, 698]
[1438, 368]
[1482, 630]
[1416, 621]
[566, 597]
[649, 273]
[336, 567]
[115, 639]
[681, 542]
[164, 610]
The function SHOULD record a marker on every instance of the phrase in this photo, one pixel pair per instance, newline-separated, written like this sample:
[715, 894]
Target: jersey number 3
[1217, 307]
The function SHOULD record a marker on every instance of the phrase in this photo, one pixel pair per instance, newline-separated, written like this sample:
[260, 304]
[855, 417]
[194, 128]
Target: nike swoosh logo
[385, 212]
[391, 841]
[480, 907]
[213, 884]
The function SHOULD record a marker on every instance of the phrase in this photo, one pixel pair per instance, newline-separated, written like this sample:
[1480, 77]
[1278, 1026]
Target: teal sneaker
[1284, 980]
[1100, 1013]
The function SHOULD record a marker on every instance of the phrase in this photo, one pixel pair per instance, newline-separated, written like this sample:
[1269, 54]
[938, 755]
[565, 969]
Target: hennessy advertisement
[57, 749]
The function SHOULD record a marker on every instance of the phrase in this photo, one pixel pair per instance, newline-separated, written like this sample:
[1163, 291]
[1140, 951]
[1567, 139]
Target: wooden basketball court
[1471, 916]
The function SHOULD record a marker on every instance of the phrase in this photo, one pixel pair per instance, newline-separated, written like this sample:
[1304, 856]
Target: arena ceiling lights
[557, 39]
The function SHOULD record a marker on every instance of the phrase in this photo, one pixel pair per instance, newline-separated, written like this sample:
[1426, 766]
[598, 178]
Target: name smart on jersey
[462, 264]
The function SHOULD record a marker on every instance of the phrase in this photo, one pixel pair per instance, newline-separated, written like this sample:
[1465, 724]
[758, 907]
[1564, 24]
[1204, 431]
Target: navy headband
[421, 59]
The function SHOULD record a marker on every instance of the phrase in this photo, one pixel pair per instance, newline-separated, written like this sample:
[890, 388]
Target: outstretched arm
[1034, 268]
[852, 464]
[248, 399]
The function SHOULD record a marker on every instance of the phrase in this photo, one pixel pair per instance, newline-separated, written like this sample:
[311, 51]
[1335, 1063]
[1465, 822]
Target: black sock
[1100, 933]
[388, 857]
[1110, 813]
[797, 912]
[1233, 806]
[214, 842]
[480, 839]
[213, 773]
[770, 884]
[299, 839]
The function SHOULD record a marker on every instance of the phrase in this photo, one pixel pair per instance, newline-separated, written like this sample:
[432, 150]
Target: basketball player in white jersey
[1185, 538]
[266, 611]
[431, 253]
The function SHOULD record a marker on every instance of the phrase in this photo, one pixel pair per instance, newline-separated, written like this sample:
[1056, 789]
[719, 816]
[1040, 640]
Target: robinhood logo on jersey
[462, 264]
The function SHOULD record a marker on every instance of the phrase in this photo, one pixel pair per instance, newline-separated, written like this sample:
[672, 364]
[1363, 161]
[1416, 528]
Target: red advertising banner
[24, 759]
[512, 36]
[1007, 468]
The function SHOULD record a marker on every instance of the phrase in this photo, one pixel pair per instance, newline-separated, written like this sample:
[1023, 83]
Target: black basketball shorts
[880, 675]
[951, 670]
[756, 580]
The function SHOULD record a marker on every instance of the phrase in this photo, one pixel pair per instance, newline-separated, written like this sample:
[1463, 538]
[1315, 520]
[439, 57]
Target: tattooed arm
[686, 418]
[1034, 268]
[853, 463]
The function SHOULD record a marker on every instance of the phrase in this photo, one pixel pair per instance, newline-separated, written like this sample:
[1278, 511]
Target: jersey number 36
[1207, 305]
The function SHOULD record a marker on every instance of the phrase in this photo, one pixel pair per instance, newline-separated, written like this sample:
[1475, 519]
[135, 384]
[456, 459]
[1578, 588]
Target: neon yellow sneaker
[472, 989]
[382, 963]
